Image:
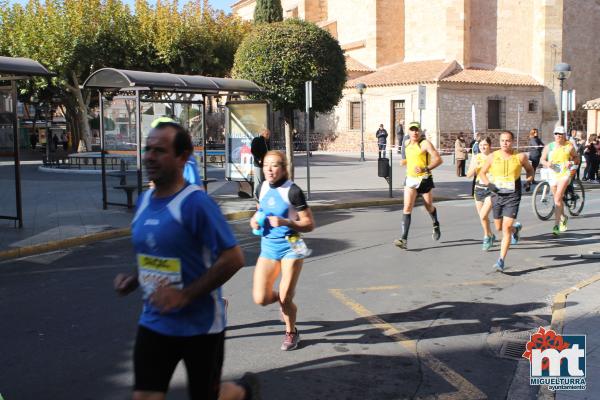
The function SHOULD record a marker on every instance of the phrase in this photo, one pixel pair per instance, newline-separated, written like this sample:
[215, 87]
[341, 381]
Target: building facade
[486, 64]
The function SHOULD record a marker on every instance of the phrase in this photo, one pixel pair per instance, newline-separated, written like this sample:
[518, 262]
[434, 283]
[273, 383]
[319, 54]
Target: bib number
[505, 186]
[154, 272]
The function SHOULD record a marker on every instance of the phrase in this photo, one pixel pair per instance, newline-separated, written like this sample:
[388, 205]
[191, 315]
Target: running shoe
[290, 341]
[402, 243]
[499, 266]
[493, 240]
[563, 223]
[487, 243]
[436, 232]
[515, 236]
[556, 230]
[251, 385]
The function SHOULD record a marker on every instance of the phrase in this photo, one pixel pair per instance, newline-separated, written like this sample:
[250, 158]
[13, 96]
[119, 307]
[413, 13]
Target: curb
[62, 244]
[558, 321]
[231, 216]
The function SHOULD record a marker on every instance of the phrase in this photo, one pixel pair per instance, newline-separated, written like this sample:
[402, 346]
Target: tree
[281, 56]
[74, 38]
[268, 11]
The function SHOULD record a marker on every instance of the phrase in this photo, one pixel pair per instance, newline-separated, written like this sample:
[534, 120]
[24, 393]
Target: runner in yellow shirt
[505, 167]
[562, 160]
[483, 197]
[421, 159]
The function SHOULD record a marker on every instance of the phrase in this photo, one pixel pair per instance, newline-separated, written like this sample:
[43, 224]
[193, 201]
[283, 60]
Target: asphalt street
[376, 322]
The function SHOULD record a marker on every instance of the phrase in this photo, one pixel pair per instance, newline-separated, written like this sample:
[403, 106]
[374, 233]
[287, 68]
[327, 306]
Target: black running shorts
[155, 357]
[506, 205]
[425, 186]
[481, 193]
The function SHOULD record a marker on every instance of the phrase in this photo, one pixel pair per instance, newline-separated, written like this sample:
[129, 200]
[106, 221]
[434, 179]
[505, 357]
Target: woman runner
[483, 199]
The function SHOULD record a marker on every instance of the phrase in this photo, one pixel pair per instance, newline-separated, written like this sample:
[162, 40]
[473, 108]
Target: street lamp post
[562, 72]
[361, 87]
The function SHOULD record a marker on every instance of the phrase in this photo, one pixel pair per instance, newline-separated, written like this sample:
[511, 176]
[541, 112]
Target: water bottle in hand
[260, 218]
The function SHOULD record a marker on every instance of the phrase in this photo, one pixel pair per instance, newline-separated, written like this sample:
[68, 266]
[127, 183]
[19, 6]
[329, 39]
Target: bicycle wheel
[542, 201]
[575, 199]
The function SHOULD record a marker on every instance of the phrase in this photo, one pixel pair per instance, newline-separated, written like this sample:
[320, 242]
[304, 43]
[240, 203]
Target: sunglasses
[558, 133]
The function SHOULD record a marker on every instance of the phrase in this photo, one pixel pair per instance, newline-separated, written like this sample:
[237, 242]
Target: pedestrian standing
[460, 154]
[535, 148]
[421, 159]
[591, 159]
[285, 214]
[185, 252]
[474, 145]
[259, 147]
[381, 136]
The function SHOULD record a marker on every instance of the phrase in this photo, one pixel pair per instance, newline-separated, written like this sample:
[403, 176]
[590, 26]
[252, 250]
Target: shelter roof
[356, 66]
[411, 73]
[592, 104]
[111, 78]
[22, 66]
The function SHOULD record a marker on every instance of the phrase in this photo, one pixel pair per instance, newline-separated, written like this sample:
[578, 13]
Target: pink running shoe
[290, 341]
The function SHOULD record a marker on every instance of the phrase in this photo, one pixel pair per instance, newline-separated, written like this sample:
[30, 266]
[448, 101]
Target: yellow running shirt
[559, 157]
[479, 161]
[505, 172]
[416, 157]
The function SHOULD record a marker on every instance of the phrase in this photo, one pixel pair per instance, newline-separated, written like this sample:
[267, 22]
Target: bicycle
[543, 199]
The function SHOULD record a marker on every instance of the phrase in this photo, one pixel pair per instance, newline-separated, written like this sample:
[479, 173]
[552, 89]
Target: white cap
[559, 129]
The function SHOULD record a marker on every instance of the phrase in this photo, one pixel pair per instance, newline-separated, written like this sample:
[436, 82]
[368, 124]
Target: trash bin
[383, 167]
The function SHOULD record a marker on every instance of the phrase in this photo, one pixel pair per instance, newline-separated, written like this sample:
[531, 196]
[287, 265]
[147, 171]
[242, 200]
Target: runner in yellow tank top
[483, 199]
[421, 158]
[562, 160]
[504, 181]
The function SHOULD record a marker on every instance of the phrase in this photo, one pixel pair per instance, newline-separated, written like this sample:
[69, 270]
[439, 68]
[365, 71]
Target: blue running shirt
[176, 239]
[282, 199]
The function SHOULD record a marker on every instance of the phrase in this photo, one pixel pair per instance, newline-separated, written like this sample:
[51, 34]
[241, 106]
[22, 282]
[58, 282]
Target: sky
[218, 4]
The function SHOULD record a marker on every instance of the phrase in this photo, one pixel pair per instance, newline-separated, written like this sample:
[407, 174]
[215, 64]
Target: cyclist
[562, 161]
[505, 166]
[421, 158]
[483, 199]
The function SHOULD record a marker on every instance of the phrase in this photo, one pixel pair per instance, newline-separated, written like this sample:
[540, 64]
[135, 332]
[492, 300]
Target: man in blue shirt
[185, 252]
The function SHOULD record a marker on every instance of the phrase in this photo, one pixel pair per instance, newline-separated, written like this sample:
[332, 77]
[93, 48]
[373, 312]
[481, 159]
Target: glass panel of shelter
[7, 156]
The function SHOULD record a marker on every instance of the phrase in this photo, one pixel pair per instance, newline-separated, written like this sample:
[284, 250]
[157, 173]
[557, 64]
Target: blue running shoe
[487, 243]
[499, 266]
[515, 236]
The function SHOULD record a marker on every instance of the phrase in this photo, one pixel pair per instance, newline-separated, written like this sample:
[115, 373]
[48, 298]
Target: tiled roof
[239, 3]
[405, 74]
[488, 77]
[412, 73]
[592, 104]
[353, 65]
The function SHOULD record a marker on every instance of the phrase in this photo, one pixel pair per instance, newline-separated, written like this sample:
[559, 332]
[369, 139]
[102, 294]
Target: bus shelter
[13, 70]
[130, 100]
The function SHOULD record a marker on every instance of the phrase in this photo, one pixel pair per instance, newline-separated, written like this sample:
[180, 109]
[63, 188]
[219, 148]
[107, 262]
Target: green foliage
[281, 56]
[268, 11]
[73, 38]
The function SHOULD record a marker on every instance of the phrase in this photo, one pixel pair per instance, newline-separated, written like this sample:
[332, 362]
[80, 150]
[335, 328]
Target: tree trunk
[82, 113]
[289, 142]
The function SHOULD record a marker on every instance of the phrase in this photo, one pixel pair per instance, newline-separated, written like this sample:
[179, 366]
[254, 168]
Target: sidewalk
[581, 318]
[61, 206]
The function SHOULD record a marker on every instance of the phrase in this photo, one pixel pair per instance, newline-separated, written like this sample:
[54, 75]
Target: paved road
[376, 322]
